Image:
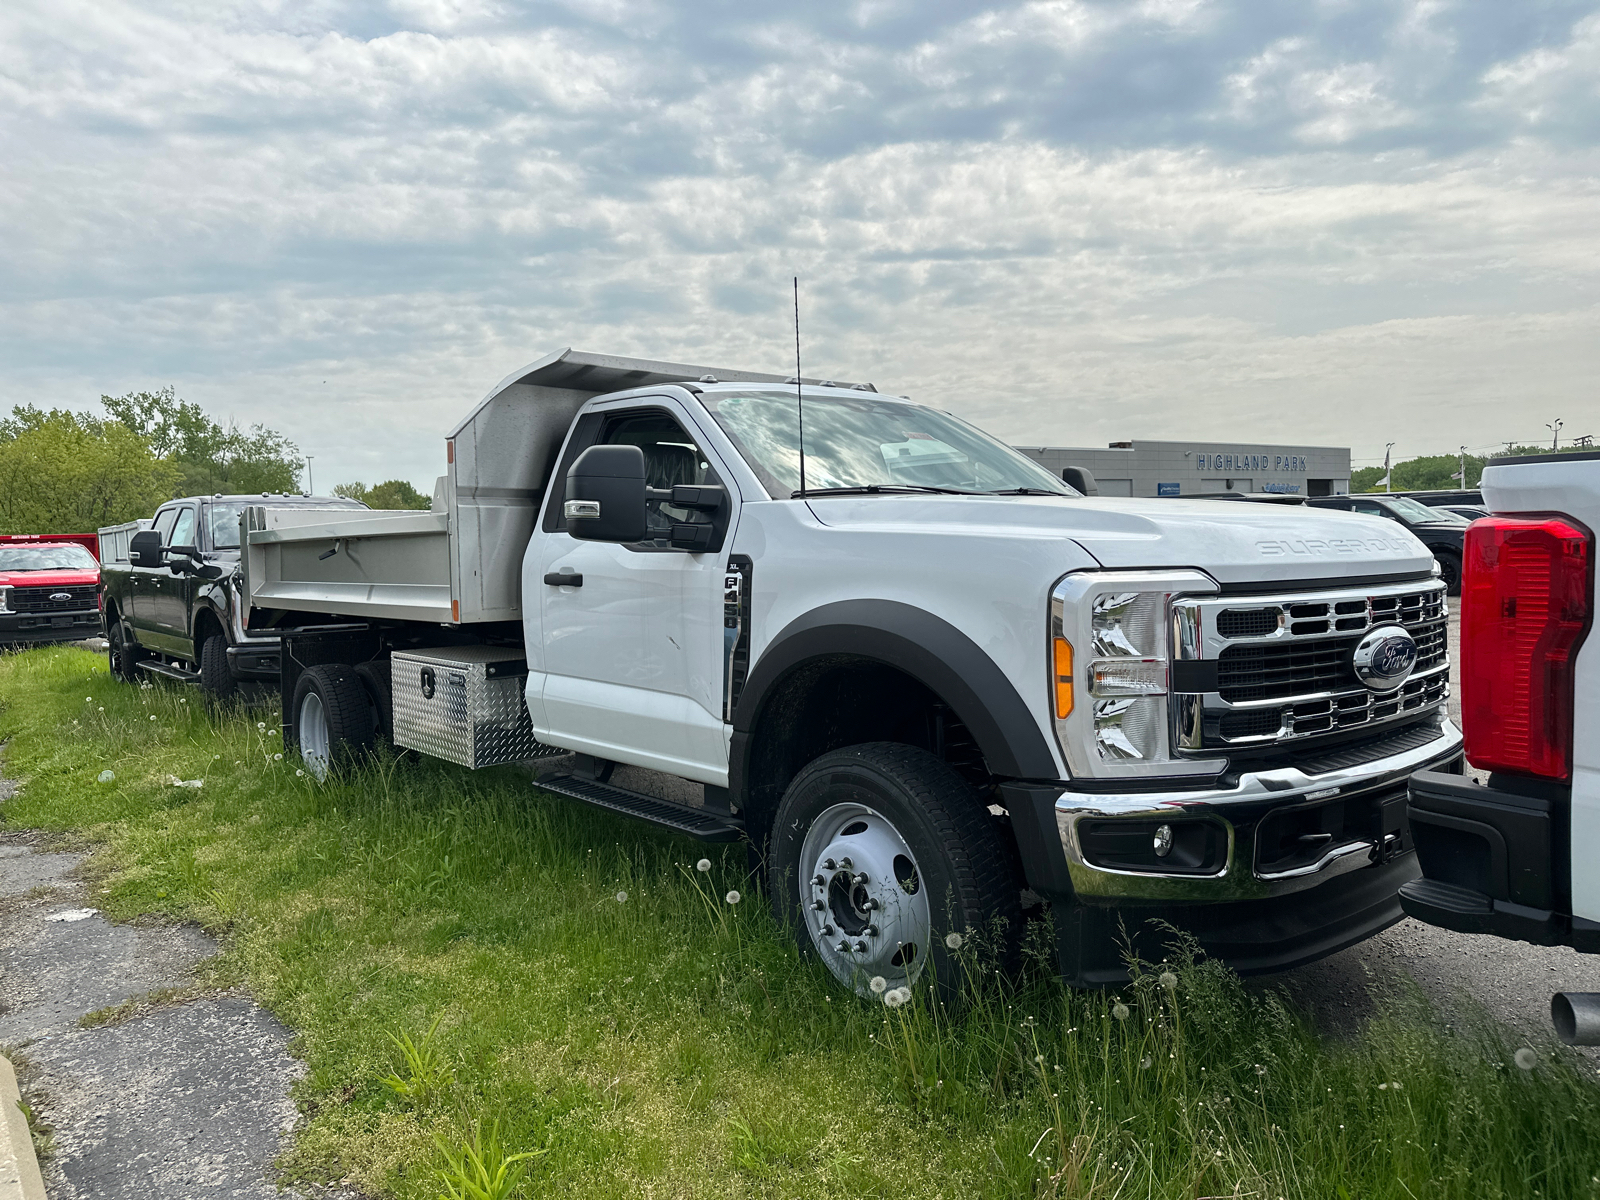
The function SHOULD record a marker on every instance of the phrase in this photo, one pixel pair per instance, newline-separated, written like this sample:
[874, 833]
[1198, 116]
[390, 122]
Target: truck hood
[1234, 543]
[73, 578]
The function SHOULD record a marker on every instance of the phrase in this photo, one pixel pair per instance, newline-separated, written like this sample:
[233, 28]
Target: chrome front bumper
[1239, 809]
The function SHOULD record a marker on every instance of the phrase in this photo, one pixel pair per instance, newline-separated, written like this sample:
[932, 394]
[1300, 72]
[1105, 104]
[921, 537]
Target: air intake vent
[1248, 622]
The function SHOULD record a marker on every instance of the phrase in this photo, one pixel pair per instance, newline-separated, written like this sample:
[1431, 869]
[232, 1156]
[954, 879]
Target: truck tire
[332, 718]
[1449, 570]
[375, 677]
[925, 861]
[122, 652]
[216, 680]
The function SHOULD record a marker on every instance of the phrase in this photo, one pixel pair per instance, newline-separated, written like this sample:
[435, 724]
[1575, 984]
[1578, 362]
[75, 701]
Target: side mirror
[183, 559]
[605, 495]
[144, 549]
[1081, 478]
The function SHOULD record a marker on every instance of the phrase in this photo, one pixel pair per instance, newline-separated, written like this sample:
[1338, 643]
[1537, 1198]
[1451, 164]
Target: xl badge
[1384, 658]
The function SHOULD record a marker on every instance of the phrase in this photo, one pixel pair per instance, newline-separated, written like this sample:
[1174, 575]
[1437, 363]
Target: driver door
[633, 658]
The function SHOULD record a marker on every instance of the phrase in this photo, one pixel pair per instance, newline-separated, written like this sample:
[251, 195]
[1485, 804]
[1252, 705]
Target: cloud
[1073, 220]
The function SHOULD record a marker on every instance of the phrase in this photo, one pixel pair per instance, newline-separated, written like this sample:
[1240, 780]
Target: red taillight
[1526, 593]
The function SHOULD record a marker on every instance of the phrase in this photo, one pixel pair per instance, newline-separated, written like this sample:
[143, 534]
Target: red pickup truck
[49, 592]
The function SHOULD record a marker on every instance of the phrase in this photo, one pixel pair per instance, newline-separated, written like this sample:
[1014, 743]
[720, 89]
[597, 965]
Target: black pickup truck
[1439, 529]
[171, 596]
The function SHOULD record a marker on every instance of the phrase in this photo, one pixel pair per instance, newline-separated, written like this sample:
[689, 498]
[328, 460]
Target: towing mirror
[144, 549]
[605, 495]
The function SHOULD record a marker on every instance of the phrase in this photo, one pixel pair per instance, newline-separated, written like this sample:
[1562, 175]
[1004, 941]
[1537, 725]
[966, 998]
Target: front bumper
[256, 659]
[1277, 869]
[49, 627]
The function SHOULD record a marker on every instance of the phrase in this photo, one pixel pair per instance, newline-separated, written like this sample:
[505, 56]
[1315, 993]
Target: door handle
[563, 579]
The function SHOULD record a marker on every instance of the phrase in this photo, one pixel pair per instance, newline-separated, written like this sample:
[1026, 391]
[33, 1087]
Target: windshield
[47, 558]
[1411, 510]
[868, 440]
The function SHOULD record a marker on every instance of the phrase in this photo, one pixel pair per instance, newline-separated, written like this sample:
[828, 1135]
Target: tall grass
[591, 997]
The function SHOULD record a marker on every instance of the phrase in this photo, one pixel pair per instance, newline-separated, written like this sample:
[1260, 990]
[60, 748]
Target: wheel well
[206, 623]
[842, 700]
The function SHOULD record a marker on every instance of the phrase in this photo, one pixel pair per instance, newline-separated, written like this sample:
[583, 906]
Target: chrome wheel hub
[863, 898]
[315, 742]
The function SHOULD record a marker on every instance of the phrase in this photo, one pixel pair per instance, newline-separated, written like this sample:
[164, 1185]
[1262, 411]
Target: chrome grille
[36, 599]
[1282, 665]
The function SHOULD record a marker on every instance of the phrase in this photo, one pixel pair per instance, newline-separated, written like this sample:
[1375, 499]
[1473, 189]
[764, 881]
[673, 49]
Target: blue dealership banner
[1168, 489]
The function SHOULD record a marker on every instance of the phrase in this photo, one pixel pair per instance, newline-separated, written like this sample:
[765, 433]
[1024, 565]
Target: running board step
[706, 825]
[181, 674]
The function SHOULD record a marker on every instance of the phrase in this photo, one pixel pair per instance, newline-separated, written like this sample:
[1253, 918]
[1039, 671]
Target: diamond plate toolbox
[464, 704]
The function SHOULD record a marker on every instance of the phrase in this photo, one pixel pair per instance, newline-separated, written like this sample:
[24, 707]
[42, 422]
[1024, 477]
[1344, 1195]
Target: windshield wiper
[873, 489]
[1026, 491]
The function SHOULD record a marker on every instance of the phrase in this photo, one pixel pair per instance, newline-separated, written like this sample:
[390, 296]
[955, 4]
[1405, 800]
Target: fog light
[1163, 841]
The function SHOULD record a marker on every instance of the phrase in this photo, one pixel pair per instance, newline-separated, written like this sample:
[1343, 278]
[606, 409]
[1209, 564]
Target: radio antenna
[799, 403]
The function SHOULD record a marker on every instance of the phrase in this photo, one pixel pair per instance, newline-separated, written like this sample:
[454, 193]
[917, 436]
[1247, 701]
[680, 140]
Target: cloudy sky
[1347, 222]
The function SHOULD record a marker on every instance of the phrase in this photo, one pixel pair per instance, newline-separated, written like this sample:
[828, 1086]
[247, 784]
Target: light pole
[1555, 433]
[1462, 475]
[1387, 486]
[311, 488]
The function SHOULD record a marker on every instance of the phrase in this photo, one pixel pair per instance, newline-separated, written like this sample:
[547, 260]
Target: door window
[182, 529]
[163, 524]
[671, 457]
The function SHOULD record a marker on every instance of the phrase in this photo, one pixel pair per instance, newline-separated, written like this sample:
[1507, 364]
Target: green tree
[209, 456]
[66, 472]
[391, 493]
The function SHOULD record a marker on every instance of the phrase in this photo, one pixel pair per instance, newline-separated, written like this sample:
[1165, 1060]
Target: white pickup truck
[930, 683]
[1515, 855]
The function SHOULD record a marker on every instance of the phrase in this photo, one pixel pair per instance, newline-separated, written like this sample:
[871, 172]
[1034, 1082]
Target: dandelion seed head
[1169, 981]
[953, 940]
[877, 985]
[298, 771]
[106, 776]
[88, 699]
[262, 726]
[1260, 1070]
[703, 865]
[733, 897]
[101, 709]
[1526, 1059]
[622, 897]
[152, 716]
[1119, 1010]
[1145, 1062]
[277, 758]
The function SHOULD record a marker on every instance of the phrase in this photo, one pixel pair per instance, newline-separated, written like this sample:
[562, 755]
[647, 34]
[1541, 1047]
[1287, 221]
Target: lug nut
[827, 931]
[843, 946]
[861, 879]
[846, 863]
[818, 906]
[819, 881]
[861, 947]
[829, 865]
[870, 904]
[872, 931]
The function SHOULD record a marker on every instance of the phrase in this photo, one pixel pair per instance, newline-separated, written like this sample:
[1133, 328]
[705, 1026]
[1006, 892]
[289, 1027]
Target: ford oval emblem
[1384, 658]
[59, 596]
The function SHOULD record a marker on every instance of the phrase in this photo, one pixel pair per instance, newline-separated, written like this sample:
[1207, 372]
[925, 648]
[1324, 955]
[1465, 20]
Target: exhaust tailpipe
[1576, 1016]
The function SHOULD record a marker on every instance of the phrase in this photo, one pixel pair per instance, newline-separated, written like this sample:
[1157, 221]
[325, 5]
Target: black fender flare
[925, 647]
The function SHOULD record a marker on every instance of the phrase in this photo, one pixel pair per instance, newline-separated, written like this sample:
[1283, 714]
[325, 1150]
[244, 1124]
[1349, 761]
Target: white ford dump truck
[930, 683]
[1516, 855]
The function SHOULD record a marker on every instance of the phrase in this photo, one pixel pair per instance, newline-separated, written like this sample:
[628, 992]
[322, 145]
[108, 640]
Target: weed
[478, 1168]
[427, 1074]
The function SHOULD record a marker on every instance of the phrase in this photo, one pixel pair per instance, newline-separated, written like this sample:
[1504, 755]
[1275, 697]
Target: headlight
[1111, 712]
[5, 598]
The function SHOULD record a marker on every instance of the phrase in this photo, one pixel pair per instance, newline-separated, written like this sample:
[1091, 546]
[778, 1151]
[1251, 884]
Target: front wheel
[1450, 571]
[216, 679]
[332, 719]
[122, 652]
[880, 853]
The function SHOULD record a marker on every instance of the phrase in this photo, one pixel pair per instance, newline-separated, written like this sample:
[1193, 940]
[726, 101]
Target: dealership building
[1199, 468]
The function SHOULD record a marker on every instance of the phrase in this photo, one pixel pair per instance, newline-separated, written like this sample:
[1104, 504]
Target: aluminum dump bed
[462, 562]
